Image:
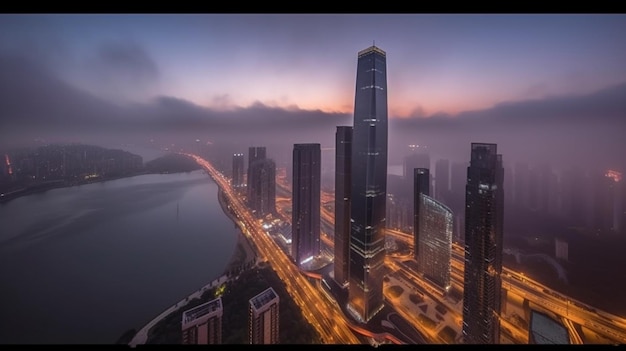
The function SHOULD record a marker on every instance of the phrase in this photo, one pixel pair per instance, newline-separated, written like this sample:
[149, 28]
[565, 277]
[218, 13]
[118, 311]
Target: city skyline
[368, 178]
[360, 200]
[63, 62]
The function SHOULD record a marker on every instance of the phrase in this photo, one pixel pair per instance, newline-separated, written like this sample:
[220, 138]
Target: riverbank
[243, 256]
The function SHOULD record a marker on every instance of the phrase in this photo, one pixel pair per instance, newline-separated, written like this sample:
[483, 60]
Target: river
[83, 264]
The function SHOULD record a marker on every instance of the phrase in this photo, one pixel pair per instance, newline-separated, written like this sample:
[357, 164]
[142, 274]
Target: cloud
[122, 70]
[575, 128]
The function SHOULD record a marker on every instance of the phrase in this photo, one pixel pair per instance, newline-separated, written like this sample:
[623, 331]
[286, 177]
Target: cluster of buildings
[203, 324]
[361, 209]
[72, 163]
[364, 209]
[591, 200]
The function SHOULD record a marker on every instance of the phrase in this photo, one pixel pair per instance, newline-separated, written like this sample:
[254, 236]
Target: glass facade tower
[343, 154]
[305, 222]
[369, 185]
[484, 202]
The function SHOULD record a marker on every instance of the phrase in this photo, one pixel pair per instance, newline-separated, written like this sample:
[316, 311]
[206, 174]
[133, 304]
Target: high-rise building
[255, 153]
[262, 187]
[263, 318]
[483, 246]
[369, 185]
[442, 180]
[420, 186]
[237, 179]
[343, 154]
[203, 324]
[305, 213]
[435, 241]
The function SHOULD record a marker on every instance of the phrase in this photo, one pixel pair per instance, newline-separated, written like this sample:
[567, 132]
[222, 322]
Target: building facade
[343, 155]
[203, 324]
[369, 185]
[421, 186]
[263, 318]
[255, 153]
[305, 213]
[262, 187]
[237, 177]
[484, 200]
[435, 241]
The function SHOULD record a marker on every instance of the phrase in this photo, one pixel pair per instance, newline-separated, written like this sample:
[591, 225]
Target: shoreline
[243, 255]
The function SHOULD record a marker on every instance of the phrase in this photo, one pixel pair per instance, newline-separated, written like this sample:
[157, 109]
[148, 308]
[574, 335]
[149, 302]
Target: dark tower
[484, 198]
[255, 153]
[237, 179]
[369, 185]
[343, 154]
[305, 222]
[421, 185]
[262, 193]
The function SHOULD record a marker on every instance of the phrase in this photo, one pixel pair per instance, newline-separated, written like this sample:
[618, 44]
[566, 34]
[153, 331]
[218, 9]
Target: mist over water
[84, 264]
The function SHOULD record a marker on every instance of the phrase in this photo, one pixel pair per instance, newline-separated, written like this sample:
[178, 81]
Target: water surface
[86, 263]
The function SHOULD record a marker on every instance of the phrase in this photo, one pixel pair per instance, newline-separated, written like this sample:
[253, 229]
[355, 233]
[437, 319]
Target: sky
[125, 71]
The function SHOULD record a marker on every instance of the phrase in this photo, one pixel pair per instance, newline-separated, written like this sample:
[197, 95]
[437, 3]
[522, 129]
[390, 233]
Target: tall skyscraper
[255, 153]
[435, 241]
[421, 179]
[483, 245]
[343, 154]
[237, 180]
[305, 222]
[262, 187]
[203, 324]
[369, 185]
[263, 318]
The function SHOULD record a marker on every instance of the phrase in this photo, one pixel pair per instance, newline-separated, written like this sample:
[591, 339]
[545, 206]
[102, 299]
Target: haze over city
[538, 85]
[477, 162]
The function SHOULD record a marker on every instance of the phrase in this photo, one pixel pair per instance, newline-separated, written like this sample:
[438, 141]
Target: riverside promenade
[242, 255]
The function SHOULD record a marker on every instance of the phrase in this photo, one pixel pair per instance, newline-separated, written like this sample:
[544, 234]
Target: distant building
[263, 318]
[561, 249]
[255, 153]
[343, 155]
[483, 246]
[420, 187]
[435, 241]
[306, 203]
[203, 324]
[237, 177]
[262, 187]
[369, 186]
[546, 330]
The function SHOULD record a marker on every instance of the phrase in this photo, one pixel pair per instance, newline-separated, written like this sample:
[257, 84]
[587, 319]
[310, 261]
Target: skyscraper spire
[369, 186]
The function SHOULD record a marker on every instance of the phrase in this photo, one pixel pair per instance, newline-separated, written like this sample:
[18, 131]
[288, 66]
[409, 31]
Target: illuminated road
[326, 317]
[600, 322]
[306, 295]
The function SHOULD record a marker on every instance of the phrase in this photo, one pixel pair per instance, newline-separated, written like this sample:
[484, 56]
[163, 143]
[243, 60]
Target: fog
[35, 104]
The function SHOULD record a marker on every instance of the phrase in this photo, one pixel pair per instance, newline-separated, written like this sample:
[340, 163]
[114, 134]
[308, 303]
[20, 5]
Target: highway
[326, 317]
[329, 320]
[600, 322]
